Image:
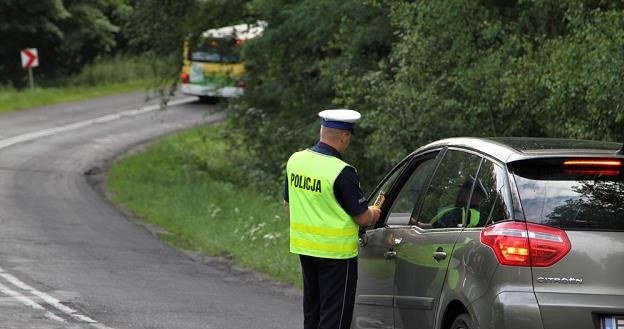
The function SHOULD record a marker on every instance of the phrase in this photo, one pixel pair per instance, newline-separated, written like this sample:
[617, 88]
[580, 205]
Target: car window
[571, 199]
[387, 184]
[489, 197]
[446, 199]
[410, 193]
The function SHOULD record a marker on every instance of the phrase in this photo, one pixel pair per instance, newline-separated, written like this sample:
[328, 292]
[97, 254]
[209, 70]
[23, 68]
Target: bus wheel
[208, 99]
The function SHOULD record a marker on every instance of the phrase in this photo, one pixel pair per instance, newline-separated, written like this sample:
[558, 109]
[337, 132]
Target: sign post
[30, 78]
[30, 59]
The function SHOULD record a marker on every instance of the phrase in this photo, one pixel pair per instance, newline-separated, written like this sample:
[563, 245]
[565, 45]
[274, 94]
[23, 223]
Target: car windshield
[214, 50]
[572, 199]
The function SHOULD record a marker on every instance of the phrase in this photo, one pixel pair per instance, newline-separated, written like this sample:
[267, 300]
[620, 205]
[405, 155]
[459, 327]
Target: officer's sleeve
[285, 196]
[348, 192]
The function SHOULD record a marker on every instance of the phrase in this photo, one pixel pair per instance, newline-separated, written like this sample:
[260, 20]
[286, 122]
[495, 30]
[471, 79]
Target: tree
[18, 33]
[67, 34]
[293, 69]
[425, 70]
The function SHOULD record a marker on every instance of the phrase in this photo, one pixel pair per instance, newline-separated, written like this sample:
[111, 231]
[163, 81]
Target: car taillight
[592, 163]
[185, 77]
[526, 244]
[607, 167]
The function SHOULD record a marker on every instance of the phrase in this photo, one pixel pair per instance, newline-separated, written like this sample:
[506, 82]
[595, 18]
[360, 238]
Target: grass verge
[188, 184]
[104, 77]
[12, 100]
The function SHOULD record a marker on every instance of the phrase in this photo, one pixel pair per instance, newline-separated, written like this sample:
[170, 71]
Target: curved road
[68, 259]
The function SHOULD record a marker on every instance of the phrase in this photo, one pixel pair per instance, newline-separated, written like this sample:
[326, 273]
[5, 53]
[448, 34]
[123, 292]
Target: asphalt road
[69, 259]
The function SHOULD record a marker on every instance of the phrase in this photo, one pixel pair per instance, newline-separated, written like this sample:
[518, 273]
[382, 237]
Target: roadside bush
[112, 70]
[425, 70]
[583, 75]
[292, 73]
[116, 69]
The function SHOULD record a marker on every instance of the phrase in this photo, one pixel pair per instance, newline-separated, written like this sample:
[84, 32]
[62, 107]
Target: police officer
[326, 206]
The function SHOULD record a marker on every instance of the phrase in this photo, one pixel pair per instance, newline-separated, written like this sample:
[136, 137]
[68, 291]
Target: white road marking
[28, 302]
[46, 298]
[23, 286]
[81, 124]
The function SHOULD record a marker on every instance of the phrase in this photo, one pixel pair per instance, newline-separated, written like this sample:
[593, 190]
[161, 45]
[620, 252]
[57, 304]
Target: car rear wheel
[463, 321]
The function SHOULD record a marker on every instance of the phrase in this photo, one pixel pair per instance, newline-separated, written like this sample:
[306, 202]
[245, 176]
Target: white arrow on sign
[30, 58]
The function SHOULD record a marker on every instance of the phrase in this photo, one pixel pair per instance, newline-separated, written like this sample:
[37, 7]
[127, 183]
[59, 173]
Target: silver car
[497, 233]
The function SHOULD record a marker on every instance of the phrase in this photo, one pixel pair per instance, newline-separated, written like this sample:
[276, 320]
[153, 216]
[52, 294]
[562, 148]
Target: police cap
[342, 119]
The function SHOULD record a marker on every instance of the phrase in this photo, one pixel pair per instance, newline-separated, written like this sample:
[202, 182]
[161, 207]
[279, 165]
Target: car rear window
[571, 198]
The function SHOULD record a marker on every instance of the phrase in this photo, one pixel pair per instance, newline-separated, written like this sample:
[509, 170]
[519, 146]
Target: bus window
[213, 50]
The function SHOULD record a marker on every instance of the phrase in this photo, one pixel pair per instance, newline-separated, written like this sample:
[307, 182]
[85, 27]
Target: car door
[376, 261]
[422, 257]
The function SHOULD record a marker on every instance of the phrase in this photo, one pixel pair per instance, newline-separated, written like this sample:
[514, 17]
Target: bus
[213, 68]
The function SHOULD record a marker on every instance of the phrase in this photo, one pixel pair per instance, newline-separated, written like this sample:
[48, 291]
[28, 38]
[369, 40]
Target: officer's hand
[376, 214]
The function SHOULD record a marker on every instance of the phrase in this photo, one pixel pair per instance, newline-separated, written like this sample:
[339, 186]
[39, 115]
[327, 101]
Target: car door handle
[439, 255]
[390, 254]
[363, 240]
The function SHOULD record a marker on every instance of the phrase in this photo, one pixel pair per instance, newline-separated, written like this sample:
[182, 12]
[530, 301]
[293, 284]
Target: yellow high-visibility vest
[319, 226]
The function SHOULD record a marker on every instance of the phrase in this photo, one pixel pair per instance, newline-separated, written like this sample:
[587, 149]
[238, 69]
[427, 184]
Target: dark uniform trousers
[328, 292]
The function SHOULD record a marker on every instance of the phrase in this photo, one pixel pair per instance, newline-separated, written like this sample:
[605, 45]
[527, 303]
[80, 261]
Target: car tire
[462, 321]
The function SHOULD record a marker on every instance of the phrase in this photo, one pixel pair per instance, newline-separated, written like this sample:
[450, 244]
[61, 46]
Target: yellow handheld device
[379, 201]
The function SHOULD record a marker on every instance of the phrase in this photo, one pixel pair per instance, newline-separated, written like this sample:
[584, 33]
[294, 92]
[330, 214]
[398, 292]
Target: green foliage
[583, 74]
[425, 70]
[158, 26]
[293, 70]
[118, 69]
[444, 76]
[105, 76]
[87, 33]
[217, 13]
[68, 34]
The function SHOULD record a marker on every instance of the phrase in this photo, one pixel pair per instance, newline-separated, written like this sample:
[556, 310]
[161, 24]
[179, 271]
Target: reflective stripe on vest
[319, 226]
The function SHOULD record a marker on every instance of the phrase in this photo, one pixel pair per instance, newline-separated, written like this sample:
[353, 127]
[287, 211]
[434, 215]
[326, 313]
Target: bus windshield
[216, 50]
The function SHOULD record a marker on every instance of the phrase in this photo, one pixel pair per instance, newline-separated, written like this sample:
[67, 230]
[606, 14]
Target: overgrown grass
[188, 184]
[104, 77]
[121, 69]
[13, 100]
